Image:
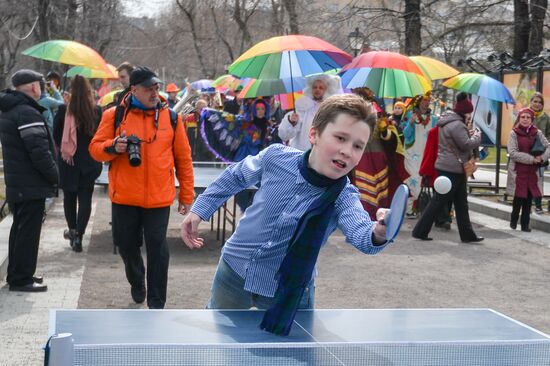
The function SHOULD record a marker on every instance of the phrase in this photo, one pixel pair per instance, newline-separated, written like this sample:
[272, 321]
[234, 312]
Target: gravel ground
[508, 273]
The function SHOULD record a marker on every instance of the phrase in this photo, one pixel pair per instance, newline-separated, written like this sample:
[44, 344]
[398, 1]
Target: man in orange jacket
[143, 151]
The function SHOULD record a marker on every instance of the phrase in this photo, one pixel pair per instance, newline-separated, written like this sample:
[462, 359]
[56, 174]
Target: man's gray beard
[318, 99]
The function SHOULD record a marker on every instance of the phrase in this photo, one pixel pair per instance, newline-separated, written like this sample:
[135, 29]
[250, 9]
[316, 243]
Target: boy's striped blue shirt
[256, 249]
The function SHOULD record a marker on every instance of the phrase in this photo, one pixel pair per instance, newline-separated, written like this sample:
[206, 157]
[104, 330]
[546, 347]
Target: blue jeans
[228, 292]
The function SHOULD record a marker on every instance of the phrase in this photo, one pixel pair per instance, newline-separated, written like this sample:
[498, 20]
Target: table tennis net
[530, 353]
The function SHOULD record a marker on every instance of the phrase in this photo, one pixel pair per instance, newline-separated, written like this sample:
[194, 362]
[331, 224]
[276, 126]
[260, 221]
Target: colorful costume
[416, 135]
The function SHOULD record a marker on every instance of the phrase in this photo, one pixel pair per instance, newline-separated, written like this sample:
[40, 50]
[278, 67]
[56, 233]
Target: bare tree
[43, 23]
[522, 26]
[189, 9]
[277, 17]
[220, 31]
[537, 9]
[413, 26]
[242, 11]
[290, 6]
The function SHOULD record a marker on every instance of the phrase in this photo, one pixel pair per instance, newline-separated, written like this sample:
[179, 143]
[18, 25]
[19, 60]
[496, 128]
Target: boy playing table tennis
[269, 262]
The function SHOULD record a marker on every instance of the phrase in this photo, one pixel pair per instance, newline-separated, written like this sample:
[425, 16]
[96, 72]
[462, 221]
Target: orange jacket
[151, 184]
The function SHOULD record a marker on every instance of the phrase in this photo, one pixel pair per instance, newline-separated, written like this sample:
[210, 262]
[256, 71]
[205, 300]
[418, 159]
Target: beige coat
[514, 155]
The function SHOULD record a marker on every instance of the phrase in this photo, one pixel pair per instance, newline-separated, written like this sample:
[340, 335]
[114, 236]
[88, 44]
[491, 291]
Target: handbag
[469, 167]
[538, 148]
[424, 197]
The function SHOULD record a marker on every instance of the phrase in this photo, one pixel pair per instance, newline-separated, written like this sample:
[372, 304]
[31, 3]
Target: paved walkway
[24, 316]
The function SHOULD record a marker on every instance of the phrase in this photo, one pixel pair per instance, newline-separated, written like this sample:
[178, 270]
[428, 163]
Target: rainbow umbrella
[67, 52]
[288, 57]
[481, 85]
[384, 60]
[267, 87]
[287, 100]
[227, 81]
[93, 74]
[434, 69]
[386, 83]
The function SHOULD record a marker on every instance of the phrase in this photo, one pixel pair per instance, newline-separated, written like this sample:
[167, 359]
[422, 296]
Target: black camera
[134, 150]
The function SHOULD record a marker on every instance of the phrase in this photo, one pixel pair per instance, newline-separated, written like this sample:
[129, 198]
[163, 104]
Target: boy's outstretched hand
[189, 231]
[380, 227]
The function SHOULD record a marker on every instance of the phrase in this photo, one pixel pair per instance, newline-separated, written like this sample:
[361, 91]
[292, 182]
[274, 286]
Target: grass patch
[492, 158]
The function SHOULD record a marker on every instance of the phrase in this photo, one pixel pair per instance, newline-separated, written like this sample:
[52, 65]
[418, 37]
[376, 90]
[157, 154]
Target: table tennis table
[374, 337]
[204, 173]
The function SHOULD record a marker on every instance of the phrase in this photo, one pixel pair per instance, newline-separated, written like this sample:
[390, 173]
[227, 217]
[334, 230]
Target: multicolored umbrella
[287, 57]
[67, 52]
[267, 87]
[287, 101]
[384, 60]
[386, 83]
[93, 74]
[481, 85]
[227, 81]
[434, 69]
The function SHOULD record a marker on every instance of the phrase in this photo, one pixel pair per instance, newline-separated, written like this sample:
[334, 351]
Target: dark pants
[444, 215]
[127, 224]
[538, 202]
[24, 240]
[523, 204]
[78, 218]
[458, 195]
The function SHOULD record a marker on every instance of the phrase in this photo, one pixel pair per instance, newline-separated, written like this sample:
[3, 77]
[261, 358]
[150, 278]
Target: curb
[503, 211]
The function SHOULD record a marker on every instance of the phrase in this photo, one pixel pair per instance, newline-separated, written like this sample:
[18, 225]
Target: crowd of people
[334, 161]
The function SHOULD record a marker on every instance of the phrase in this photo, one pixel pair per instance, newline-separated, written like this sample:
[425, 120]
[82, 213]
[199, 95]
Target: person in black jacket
[74, 127]
[30, 174]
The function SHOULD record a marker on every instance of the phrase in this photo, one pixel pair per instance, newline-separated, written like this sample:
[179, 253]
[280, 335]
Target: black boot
[77, 243]
[70, 235]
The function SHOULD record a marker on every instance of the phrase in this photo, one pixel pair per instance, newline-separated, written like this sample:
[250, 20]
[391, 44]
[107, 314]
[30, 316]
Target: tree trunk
[277, 18]
[240, 16]
[290, 6]
[413, 27]
[189, 10]
[538, 13]
[43, 28]
[521, 28]
[72, 17]
[221, 34]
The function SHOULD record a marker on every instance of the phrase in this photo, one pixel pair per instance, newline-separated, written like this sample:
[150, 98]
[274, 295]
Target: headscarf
[529, 111]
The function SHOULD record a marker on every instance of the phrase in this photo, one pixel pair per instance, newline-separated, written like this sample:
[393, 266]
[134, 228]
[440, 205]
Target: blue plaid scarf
[299, 262]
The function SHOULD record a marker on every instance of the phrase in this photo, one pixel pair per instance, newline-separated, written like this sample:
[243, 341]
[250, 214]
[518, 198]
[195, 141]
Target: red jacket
[151, 184]
[427, 166]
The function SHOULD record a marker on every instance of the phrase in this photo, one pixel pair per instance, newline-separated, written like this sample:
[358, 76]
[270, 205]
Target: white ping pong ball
[442, 184]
